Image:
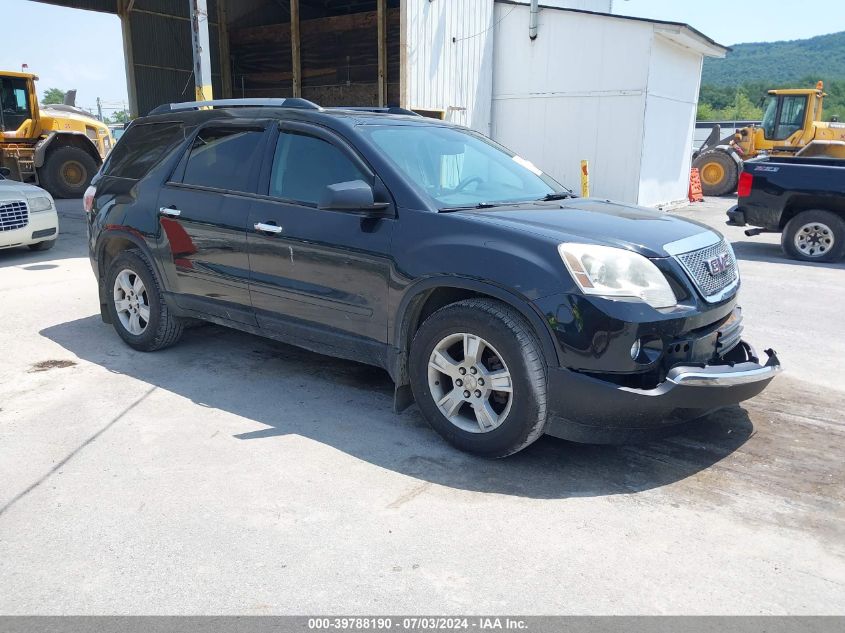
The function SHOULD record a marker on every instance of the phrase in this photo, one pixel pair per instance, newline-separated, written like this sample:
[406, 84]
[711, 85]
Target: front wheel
[67, 172]
[136, 305]
[814, 236]
[479, 377]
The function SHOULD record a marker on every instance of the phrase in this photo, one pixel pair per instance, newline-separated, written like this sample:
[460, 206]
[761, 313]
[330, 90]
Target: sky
[84, 49]
[740, 21]
[66, 48]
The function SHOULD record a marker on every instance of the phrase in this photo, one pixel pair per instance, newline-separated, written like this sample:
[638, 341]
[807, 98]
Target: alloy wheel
[131, 302]
[470, 383]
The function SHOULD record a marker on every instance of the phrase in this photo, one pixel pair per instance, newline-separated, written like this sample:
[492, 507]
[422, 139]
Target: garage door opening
[348, 51]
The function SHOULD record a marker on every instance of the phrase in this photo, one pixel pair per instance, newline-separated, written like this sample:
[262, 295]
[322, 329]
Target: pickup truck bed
[801, 198]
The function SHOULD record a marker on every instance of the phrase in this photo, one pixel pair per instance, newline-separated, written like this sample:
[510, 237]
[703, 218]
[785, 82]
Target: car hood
[639, 229]
[13, 189]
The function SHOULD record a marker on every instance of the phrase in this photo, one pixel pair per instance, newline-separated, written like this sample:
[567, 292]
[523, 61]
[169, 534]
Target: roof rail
[378, 110]
[302, 104]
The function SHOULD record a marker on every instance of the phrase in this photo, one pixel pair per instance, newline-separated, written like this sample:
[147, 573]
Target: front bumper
[591, 410]
[42, 226]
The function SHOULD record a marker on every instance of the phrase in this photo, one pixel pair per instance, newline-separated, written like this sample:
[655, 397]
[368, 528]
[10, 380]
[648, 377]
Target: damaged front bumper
[588, 409]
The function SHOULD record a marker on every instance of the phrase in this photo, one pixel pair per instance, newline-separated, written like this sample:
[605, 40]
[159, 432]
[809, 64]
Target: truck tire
[137, 308]
[479, 377]
[719, 172]
[67, 172]
[814, 236]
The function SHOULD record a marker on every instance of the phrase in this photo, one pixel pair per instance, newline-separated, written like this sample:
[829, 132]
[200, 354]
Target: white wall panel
[576, 92]
[449, 49]
[674, 78]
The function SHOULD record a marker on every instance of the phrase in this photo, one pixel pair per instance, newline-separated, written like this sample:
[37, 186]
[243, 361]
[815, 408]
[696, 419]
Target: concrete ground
[232, 475]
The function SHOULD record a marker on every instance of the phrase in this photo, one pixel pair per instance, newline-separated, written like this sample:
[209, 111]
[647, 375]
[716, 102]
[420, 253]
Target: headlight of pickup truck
[41, 203]
[614, 272]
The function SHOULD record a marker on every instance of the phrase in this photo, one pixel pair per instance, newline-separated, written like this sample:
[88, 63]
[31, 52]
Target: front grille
[710, 285]
[13, 215]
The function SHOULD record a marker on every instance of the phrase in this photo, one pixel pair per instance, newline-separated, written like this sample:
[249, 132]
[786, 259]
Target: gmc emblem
[717, 265]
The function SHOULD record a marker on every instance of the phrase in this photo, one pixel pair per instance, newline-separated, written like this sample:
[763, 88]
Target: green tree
[53, 95]
[120, 116]
[706, 112]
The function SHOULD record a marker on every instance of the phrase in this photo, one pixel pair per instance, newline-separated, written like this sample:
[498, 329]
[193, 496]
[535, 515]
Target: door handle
[169, 212]
[261, 227]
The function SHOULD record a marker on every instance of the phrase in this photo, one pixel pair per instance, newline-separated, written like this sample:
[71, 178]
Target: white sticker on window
[519, 160]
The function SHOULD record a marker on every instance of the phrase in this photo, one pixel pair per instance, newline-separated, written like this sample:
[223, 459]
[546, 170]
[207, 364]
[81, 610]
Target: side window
[15, 102]
[141, 147]
[791, 116]
[305, 165]
[221, 158]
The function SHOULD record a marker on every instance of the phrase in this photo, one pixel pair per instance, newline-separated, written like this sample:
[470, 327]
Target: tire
[162, 329]
[67, 172]
[46, 245]
[511, 346]
[719, 173]
[814, 236]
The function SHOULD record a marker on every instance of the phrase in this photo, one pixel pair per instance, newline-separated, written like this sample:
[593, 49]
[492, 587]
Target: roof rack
[378, 110]
[301, 104]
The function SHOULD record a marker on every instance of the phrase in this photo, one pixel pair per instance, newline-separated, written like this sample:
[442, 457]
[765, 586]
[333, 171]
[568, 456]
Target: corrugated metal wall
[449, 50]
[162, 59]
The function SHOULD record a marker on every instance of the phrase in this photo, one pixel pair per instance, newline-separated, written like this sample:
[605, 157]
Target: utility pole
[202, 50]
[99, 110]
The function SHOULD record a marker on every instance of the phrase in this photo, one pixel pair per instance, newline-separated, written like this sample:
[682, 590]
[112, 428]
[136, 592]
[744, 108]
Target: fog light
[635, 349]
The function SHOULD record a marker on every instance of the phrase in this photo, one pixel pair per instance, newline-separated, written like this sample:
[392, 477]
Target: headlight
[41, 203]
[615, 272]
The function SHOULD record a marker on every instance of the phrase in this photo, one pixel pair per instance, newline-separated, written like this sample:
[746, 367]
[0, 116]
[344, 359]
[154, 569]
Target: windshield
[458, 168]
[769, 117]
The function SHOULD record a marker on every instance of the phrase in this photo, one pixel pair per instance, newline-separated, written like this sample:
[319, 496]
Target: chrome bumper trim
[725, 375]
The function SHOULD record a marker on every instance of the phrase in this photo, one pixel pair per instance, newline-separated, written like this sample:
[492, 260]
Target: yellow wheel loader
[58, 147]
[792, 126]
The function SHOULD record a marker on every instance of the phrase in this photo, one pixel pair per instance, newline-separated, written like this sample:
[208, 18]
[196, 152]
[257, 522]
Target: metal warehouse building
[567, 82]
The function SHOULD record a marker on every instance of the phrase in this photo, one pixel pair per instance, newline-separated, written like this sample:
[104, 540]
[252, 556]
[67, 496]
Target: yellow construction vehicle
[792, 126]
[58, 147]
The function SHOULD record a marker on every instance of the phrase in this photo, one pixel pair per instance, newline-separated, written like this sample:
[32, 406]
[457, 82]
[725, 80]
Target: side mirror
[354, 196]
[5, 172]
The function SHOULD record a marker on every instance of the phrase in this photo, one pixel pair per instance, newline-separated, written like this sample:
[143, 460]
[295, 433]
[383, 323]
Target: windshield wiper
[557, 195]
[480, 205]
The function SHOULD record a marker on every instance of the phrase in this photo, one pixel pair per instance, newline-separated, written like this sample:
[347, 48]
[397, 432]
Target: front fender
[55, 138]
[417, 293]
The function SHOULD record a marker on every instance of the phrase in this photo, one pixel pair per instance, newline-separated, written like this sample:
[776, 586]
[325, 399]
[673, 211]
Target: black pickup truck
[801, 198]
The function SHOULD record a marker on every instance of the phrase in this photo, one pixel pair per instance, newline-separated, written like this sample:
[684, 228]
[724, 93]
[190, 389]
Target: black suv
[504, 305]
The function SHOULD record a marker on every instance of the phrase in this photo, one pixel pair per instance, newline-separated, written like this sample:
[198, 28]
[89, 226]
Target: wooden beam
[382, 52]
[223, 42]
[295, 44]
[277, 32]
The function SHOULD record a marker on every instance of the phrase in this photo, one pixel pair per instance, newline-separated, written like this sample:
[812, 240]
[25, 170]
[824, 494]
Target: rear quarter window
[141, 147]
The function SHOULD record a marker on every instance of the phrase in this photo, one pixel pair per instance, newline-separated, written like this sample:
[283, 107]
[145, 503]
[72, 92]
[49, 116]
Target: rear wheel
[68, 172]
[814, 236]
[479, 378]
[719, 173]
[138, 311]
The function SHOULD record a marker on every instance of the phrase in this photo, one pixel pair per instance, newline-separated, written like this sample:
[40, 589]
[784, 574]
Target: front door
[203, 213]
[318, 274]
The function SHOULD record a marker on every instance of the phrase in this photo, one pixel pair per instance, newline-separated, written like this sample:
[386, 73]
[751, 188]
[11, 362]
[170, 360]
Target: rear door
[317, 273]
[203, 213]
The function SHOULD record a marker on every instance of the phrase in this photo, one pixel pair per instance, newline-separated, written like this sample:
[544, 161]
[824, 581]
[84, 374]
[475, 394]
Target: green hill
[732, 88]
[779, 62]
